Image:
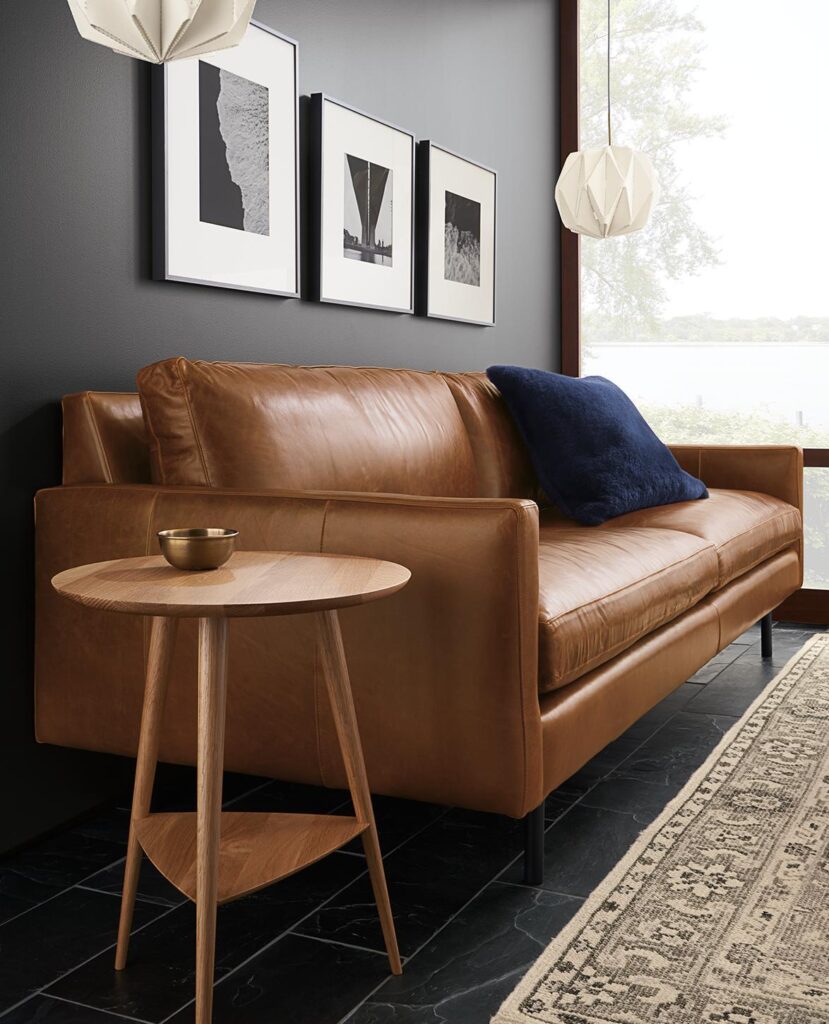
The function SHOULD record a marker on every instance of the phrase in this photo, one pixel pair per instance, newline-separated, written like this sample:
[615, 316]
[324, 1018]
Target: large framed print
[363, 203]
[225, 167]
[456, 236]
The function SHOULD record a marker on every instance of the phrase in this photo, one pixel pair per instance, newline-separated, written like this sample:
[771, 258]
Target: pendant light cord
[608, 74]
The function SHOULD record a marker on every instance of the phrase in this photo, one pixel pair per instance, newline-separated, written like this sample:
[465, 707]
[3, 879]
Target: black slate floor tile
[468, 969]
[644, 800]
[556, 804]
[296, 981]
[786, 644]
[287, 797]
[580, 783]
[711, 669]
[19, 893]
[608, 759]
[152, 885]
[175, 788]
[736, 688]
[60, 861]
[52, 939]
[159, 976]
[750, 636]
[397, 821]
[673, 754]
[429, 880]
[800, 627]
[580, 849]
[46, 1010]
[108, 826]
[614, 754]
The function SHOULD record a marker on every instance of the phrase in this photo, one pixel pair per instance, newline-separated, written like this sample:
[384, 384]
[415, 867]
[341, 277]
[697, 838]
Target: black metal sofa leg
[534, 846]
[765, 636]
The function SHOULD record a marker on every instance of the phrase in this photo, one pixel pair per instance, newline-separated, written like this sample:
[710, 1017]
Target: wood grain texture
[335, 671]
[255, 849]
[162, 639]
[211, 718]
[252, 583]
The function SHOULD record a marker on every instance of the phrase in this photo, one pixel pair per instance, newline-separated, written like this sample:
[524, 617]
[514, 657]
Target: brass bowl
[197, 550]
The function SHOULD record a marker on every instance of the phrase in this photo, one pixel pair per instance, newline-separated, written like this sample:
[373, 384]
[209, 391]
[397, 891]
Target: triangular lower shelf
[256, 849]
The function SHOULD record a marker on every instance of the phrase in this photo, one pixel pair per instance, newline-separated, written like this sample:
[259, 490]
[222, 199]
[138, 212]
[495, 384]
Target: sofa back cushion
[256, 426]
[502, 460]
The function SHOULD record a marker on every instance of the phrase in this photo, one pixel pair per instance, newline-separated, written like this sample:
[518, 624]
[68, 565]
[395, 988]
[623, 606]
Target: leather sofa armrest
[444, 672]
[771, 469]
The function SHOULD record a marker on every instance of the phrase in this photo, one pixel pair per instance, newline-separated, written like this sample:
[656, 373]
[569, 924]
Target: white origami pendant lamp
[608, 190]
[162, 30]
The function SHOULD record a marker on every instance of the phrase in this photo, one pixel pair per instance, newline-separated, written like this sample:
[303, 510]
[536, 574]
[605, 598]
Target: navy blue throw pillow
[593, 453]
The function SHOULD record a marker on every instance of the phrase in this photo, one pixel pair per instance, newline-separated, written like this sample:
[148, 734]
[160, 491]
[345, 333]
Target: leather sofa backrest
[104, 439]
[501, 458]
[440, 433]
[341, 428]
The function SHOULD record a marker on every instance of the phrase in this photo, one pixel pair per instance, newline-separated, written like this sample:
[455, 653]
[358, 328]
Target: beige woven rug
[720, 912]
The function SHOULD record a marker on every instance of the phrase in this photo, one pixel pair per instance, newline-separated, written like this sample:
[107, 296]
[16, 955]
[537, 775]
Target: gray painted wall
[78, 309]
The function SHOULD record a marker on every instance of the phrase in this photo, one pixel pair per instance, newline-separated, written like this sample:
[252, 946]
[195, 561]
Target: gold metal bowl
[197, 550]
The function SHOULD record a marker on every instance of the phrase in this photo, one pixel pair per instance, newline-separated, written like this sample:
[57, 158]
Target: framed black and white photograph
[456, 237]
[225, 155]
[363, 194]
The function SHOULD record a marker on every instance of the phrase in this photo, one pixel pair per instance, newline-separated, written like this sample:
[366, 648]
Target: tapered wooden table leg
[212, 700]
[162, 639]
[335, 670]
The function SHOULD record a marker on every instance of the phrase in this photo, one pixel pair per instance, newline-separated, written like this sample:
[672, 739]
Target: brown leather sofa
[524, 642]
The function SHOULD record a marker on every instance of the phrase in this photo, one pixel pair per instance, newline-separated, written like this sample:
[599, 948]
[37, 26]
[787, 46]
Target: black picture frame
[425, 149]
[158, 139]
[317, 209]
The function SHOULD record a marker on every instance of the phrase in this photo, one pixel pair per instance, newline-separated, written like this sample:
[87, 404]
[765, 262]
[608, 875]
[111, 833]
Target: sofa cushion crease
[745, 527]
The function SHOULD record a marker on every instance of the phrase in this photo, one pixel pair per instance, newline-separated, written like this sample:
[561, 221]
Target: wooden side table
[213, 857]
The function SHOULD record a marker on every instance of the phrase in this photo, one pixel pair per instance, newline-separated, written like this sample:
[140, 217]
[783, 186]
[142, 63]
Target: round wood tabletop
[250, 583]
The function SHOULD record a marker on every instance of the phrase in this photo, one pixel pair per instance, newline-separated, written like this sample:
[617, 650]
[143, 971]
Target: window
[715, 319]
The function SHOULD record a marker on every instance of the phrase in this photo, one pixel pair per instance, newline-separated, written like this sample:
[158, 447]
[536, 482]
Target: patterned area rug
[720, 912]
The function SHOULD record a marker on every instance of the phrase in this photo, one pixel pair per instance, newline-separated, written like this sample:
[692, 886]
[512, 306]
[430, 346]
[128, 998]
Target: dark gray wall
[78, 308]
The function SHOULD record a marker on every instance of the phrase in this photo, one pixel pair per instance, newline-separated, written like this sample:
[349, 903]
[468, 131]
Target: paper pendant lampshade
[610, 190]
[162, 30]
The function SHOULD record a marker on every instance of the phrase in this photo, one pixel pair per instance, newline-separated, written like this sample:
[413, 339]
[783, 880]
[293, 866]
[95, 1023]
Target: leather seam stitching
[155, 446]
[518, 592]
[398, 501]
[196, 438]
[102, 455]
[317, 716]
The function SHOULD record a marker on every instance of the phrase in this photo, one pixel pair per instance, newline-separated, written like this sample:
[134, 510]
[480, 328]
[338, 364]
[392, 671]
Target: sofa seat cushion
[745, 527]
[601, 590]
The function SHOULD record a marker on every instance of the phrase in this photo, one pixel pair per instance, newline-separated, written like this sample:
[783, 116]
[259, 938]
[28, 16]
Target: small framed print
[456, 237]
[226, 167]
[363, 196]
